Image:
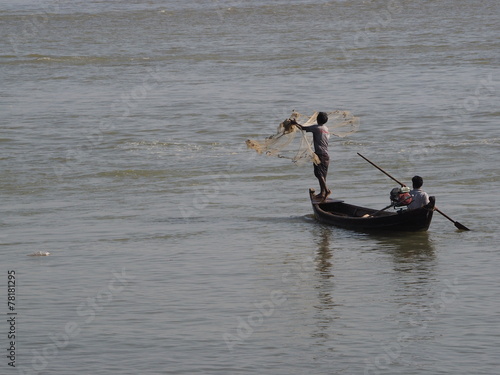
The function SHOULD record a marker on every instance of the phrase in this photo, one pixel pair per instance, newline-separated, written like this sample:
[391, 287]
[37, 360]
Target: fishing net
[282, 145]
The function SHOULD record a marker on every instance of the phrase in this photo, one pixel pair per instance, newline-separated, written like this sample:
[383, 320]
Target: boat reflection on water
[397, 271]
[406, 247]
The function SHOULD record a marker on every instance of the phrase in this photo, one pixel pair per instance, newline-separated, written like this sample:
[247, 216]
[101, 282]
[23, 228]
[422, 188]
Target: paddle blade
[457, 224]
[461, 226]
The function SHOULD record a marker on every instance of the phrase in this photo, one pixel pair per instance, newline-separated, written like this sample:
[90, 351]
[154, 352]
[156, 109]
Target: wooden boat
[336, 212]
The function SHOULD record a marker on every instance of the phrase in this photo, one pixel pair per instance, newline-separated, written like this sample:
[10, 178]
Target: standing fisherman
[320, 141]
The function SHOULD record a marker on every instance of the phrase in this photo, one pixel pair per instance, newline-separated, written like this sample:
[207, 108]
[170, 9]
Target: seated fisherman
[420, 197]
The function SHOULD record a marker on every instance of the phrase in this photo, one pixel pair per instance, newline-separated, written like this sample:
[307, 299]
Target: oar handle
[381, 170]
[442, 213]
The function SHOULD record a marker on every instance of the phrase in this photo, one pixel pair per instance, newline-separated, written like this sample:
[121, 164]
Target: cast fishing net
[283, 144]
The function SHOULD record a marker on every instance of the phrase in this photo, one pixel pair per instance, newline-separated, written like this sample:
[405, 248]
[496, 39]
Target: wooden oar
[381, 170]
[383, 209]
[457, 224]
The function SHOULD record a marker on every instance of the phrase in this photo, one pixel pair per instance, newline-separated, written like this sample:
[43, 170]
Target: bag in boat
[400, 196]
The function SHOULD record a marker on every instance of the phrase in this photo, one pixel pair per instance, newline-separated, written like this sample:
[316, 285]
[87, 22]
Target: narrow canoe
[337, 213]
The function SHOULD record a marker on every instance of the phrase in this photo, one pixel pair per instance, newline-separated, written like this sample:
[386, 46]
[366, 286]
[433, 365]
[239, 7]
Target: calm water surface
[175, 250]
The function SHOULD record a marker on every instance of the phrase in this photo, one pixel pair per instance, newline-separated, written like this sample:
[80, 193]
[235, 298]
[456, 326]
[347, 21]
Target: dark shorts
[321, 170]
